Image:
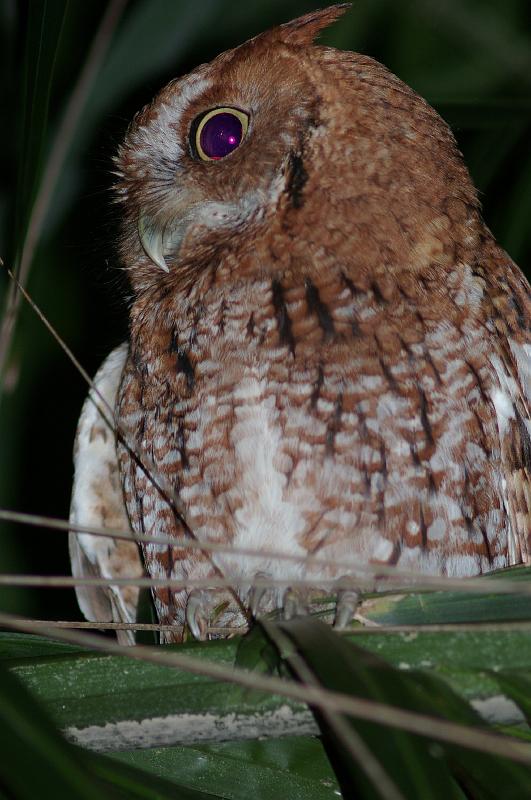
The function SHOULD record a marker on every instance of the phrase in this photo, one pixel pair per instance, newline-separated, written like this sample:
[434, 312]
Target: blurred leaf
[407, 760]
[37, 762]
[43, 35]
[152, 38]
[27, 737]
[416, 767]
[517, 686]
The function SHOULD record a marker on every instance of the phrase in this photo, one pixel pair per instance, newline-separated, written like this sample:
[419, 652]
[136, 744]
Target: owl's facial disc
[214, 134]
[203, 164]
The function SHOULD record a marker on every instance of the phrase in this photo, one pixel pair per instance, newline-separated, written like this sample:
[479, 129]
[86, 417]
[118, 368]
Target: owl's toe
[203, 608]
[196, 619]
[295, 603]
[260, 595]
[348, 600]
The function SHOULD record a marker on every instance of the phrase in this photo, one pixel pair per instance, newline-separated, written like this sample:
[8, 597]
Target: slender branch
[381, 630]
[129, 626]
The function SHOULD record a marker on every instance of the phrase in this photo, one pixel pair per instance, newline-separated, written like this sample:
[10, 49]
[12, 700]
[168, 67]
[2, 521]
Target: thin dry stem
[454, 627]
[366, 573]
[426, 583]
[129, 626]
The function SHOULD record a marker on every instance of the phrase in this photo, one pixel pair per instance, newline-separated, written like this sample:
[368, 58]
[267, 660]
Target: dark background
[471, 59]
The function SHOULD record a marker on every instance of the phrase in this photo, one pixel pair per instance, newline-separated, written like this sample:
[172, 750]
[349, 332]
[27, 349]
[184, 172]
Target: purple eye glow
[219, 133]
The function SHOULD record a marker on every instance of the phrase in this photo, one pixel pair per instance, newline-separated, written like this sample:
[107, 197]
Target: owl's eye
[218, 132]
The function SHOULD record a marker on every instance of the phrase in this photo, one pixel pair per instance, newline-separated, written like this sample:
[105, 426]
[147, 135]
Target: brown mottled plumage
[329, 353]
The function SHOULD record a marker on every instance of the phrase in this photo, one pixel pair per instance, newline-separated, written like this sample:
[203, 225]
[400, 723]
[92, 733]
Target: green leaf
[464, 658]
[27, 737]
[58, 769]
[18, 646]
[130, 783]
[406, 759]
[407, 608]
[264, 770]
[517, 686]
[91, 694]
[416, 766]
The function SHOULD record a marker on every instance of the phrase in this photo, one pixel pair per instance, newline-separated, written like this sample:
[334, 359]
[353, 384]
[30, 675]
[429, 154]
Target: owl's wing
[512, 402]
[97, 501]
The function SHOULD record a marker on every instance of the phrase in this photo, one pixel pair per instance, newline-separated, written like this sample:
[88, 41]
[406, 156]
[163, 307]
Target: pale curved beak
[151, 237]
[162, 238]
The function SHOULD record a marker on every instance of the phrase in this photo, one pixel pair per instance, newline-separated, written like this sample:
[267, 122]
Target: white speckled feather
[97, 501]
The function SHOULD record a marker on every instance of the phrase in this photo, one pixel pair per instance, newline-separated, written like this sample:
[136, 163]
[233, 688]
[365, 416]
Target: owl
[329, 355]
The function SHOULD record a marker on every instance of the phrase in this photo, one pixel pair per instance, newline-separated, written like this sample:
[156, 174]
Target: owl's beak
[152, 240]
[158, 238]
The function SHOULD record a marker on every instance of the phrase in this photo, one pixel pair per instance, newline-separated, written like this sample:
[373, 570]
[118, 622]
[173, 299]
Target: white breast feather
[97, 501]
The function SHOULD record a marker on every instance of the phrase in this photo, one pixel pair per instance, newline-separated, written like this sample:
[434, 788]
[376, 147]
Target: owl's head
[281, 150]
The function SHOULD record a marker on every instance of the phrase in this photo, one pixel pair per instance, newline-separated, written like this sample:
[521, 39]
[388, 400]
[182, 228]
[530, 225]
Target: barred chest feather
[328, 420]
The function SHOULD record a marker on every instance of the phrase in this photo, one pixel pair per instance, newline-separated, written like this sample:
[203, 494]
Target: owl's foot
[263, 598]
[299, 602]
[260, 596]
[295, 603]
[348, 599]
[203, 608]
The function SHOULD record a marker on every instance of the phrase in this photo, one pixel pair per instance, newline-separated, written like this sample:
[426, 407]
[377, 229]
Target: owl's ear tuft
[304, 30]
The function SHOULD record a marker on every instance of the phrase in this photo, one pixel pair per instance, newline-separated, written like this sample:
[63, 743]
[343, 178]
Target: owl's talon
[294, 604]
[347, 603]
[195, 617]
[257, 593]
[348, 599]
